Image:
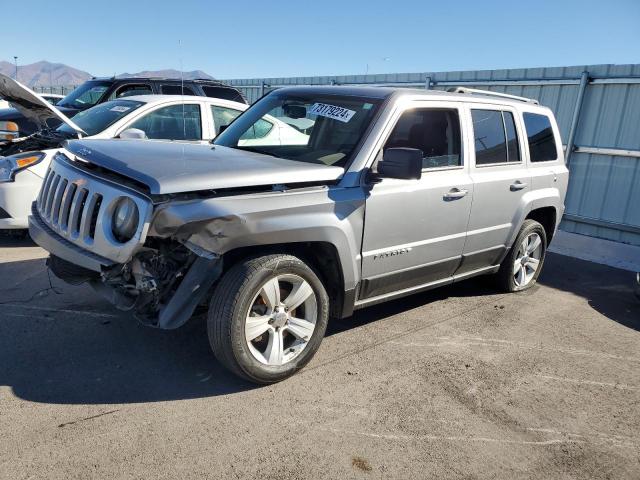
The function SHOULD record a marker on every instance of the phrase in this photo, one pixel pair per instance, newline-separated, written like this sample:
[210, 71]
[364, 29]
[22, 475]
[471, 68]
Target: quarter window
[436, 132]
[223, 116]
[176, 90]
[496, 140]
[260, 129]
[542, 143]
[175, 122]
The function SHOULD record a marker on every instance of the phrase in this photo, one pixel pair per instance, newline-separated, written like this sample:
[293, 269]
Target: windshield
[95, 119]
[87, 94]
[323, 129]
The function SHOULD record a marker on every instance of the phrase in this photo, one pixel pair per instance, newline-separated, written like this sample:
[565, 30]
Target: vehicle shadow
[11, 239]
[609, 291]
[66, 345]
[69, 346]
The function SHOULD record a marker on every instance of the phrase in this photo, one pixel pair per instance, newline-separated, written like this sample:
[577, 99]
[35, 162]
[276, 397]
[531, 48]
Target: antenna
[184, 120]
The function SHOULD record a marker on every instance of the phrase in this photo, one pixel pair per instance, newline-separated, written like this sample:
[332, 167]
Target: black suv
[98, 90]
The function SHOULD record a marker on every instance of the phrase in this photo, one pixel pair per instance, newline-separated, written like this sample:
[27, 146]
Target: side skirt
[367, 302]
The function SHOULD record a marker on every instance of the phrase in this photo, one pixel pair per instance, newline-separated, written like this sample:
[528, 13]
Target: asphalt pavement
[460, 382]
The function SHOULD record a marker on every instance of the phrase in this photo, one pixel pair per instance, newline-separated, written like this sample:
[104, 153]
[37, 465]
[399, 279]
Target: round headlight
[124, 222]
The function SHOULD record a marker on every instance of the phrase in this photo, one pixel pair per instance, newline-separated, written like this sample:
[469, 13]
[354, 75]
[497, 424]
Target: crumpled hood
[32, 105]
[175, 167]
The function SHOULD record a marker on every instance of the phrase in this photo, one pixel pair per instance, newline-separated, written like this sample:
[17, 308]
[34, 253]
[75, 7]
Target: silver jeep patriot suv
[312, 203]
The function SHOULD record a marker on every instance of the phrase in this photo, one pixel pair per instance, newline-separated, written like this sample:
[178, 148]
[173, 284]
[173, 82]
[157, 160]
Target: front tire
[267, 317]
[521, 267]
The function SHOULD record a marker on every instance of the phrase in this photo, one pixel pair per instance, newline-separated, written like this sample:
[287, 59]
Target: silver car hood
[32, 105]
[175, 167]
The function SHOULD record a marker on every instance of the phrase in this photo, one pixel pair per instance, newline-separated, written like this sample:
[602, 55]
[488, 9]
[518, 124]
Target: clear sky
[242, 39]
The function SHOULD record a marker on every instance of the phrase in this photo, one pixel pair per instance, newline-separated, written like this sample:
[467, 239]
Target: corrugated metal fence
[599, 117]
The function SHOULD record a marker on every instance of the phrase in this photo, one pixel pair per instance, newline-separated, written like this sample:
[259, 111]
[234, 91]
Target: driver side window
[175, 122]
[434, 131]
[130, 90]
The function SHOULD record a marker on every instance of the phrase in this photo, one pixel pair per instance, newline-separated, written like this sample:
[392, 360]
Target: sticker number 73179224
[332, 111]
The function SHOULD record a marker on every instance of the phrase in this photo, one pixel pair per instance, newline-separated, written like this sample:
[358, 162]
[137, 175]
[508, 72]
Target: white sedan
[152, 117]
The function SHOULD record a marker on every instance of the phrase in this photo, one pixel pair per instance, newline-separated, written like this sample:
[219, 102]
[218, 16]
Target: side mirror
[133, 134]
[294, 111]
[402, 163]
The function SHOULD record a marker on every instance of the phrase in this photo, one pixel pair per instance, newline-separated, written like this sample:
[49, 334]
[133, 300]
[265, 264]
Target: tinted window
[176, 122]
[130, 91]
[436, 132]
[488, 133]
[542, 143]
[223, 92]
[513, 147]
[176, 90]
[223, 116]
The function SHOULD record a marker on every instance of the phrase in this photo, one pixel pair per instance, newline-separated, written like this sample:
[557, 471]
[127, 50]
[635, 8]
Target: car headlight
[124, 222]
[9, 166]
[9, 130]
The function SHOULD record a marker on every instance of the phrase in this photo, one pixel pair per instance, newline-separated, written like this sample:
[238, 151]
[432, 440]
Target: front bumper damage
[165, 300]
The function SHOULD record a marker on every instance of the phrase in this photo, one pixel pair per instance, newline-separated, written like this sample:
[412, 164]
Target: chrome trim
[78, 207]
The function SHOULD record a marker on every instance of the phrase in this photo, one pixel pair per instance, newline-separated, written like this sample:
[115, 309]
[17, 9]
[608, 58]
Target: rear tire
[267, 317]
[521, 267]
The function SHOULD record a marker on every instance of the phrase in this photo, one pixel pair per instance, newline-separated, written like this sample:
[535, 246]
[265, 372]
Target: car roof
[383, 93]
[157, 99]
[164, 79]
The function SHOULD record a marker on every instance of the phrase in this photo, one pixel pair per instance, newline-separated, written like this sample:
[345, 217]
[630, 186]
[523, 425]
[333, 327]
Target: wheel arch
[547, 217]
[322, 256]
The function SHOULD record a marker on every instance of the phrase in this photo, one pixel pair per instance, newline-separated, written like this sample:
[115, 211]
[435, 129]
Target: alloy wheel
[527, 260]
[281, 319]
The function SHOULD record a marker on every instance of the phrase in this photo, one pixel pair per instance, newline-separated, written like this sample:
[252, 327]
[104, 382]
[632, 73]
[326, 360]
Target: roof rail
[491, 94]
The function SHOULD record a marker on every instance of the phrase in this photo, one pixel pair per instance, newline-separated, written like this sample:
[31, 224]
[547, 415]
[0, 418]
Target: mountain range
[47, 74]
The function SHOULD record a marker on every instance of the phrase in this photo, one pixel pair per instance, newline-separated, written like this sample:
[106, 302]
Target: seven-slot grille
[79, 207]
[69, 207]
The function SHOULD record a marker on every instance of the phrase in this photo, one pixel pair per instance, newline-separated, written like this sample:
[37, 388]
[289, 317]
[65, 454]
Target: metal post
[262, 85]
[16, 60]
[584, 81]
[427, 83]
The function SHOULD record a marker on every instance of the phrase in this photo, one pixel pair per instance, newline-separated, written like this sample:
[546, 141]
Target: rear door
[415, 229]
[500, 178]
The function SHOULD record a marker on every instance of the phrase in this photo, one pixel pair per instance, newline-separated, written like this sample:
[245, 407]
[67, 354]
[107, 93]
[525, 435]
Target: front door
[415, 229]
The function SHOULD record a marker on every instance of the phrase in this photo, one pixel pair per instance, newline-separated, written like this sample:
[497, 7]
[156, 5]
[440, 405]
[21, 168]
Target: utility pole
[16, 60]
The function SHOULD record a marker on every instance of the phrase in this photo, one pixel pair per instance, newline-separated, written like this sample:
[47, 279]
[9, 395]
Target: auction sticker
[332, 111]
[120, 109]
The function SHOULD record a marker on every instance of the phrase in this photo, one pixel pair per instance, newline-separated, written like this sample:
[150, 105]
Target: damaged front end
[96, 231]
[162, 284]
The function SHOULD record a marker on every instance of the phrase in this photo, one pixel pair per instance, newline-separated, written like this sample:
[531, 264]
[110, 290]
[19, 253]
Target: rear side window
[223, 93]
[496, 140]
[176, 90]
[436, 132]
[542, 143]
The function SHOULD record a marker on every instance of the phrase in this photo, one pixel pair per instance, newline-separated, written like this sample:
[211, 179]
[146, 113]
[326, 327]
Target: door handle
[518, 185]
[455, 193]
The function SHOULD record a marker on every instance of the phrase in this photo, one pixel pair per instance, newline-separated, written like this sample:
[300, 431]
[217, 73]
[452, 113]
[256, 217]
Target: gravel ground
[461, 382]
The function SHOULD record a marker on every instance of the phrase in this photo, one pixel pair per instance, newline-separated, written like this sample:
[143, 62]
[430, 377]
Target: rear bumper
[55, 244]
